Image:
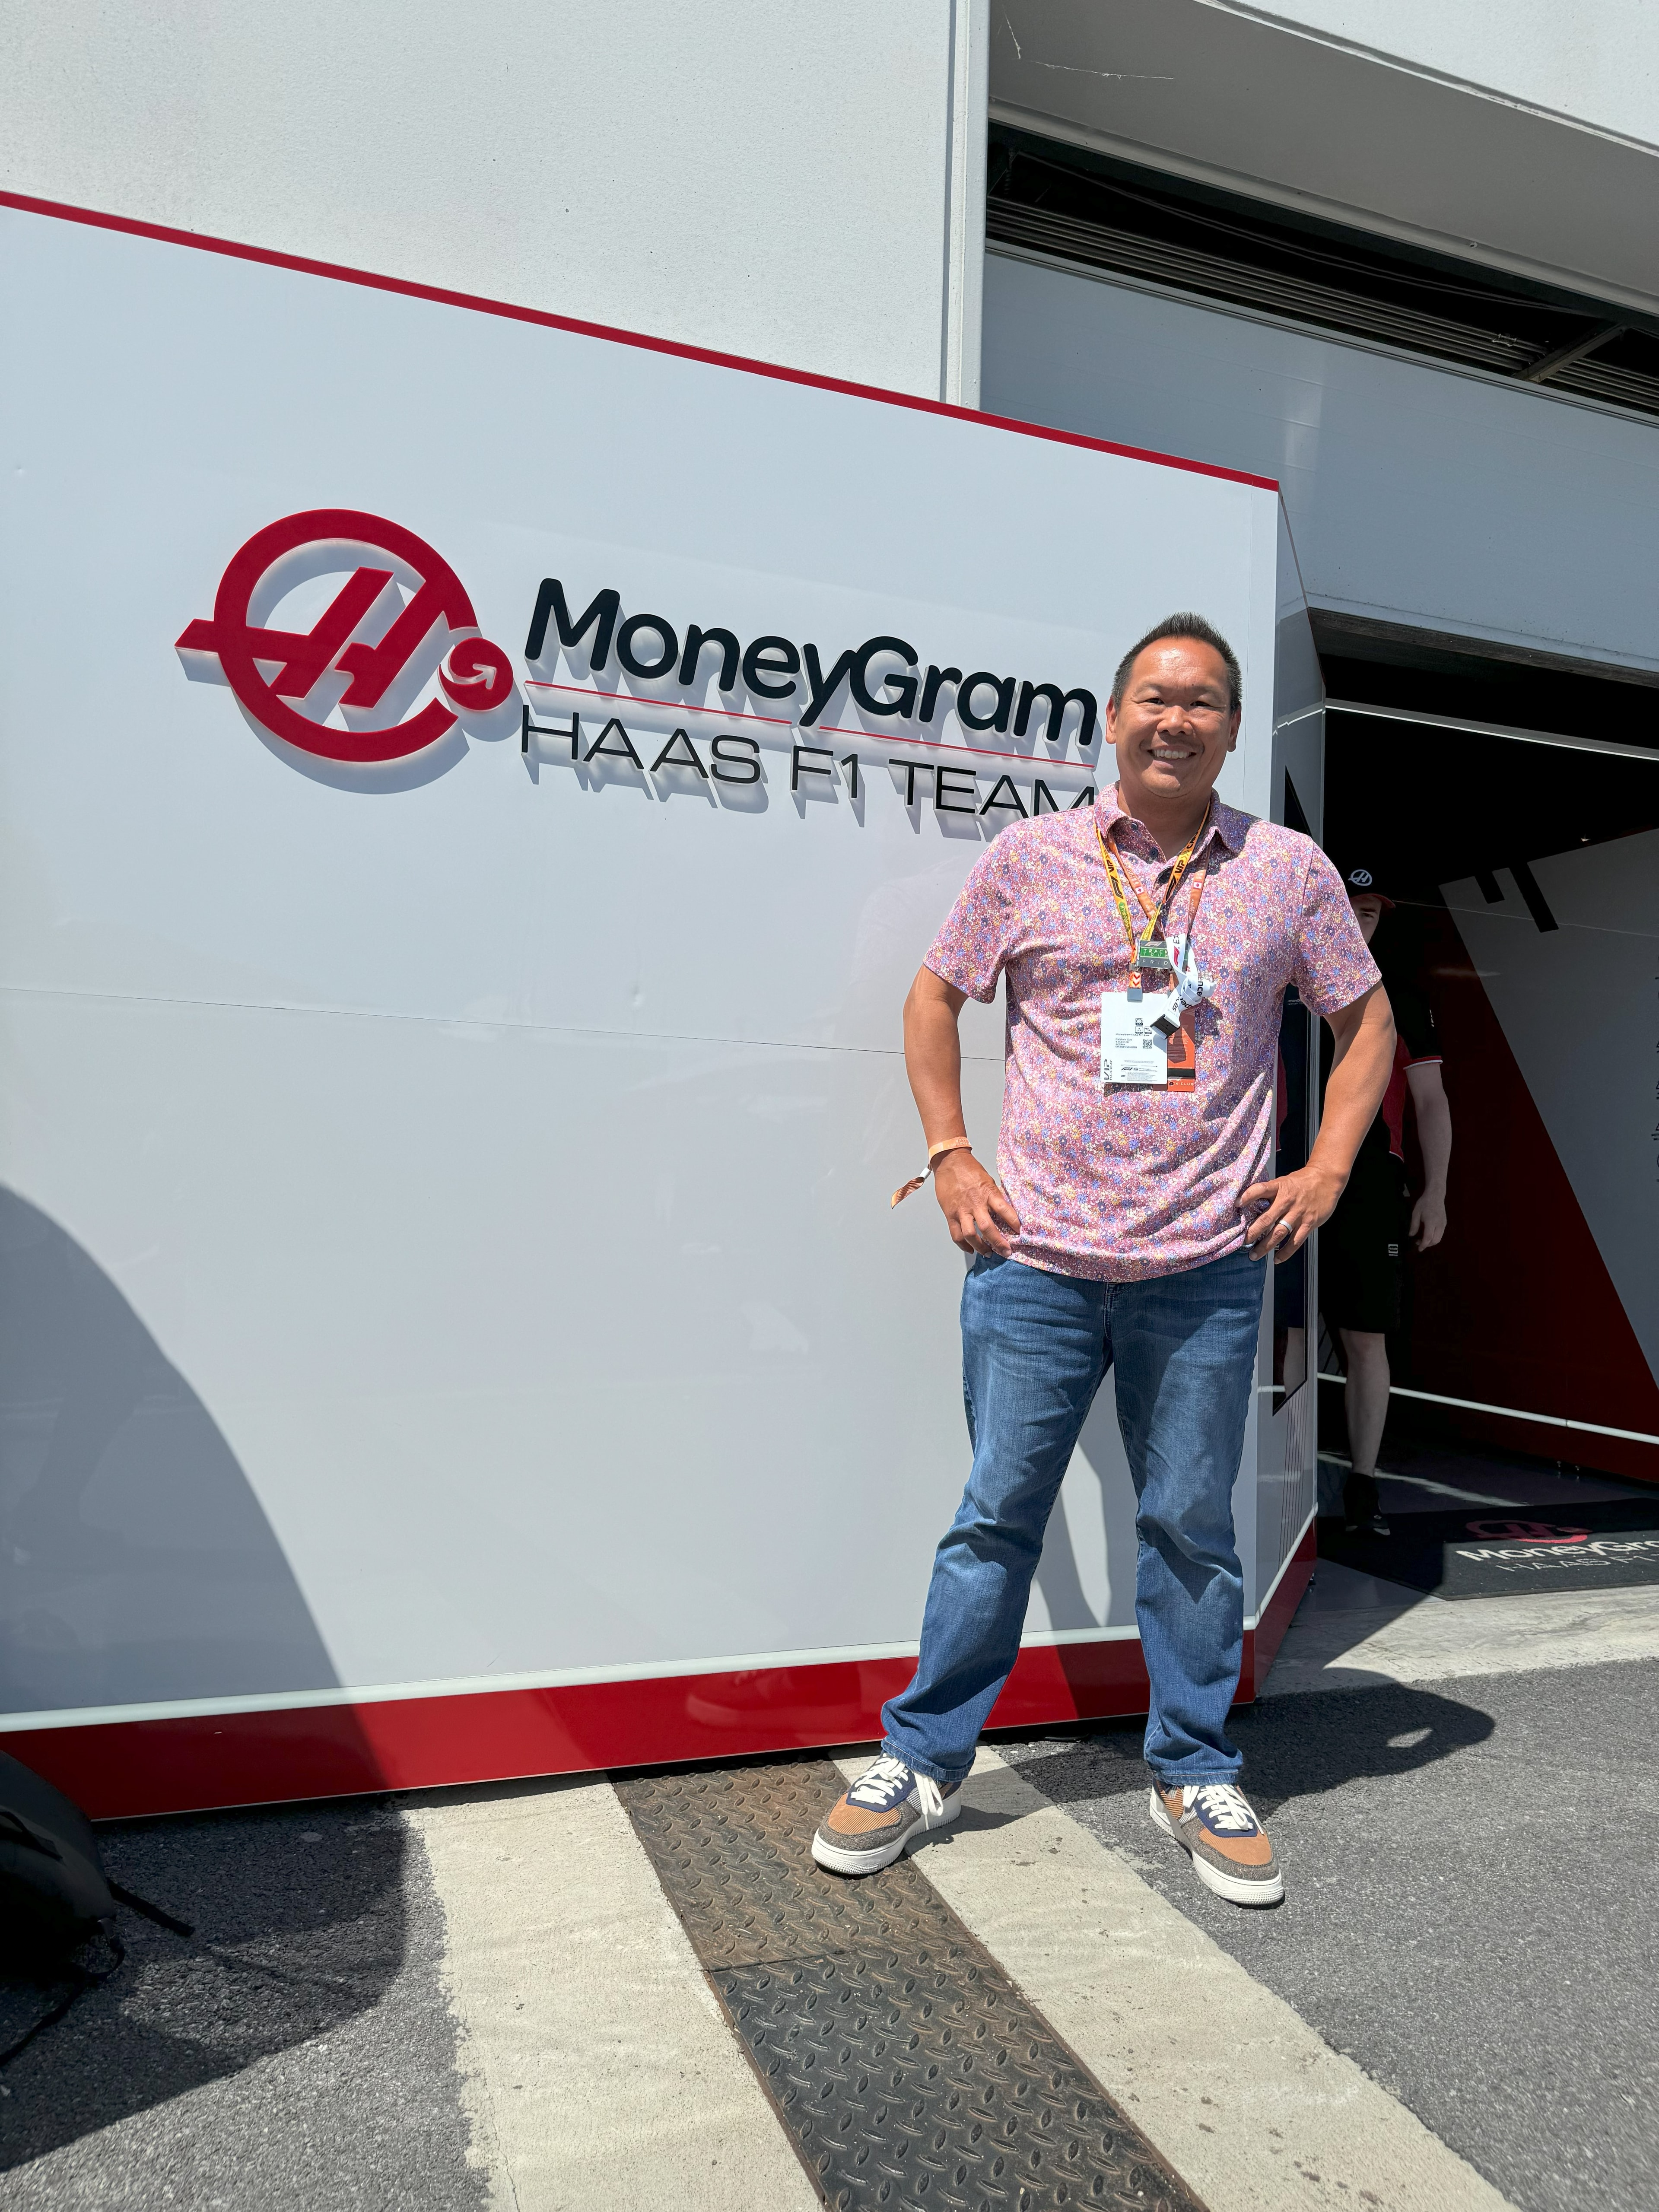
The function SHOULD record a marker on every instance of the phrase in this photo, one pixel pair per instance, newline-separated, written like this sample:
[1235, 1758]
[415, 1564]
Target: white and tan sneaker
[886, 1809]
[1214, 1824]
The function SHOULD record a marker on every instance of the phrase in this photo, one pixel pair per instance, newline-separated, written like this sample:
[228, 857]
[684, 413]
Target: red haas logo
[1528, 1532]
[276, 672]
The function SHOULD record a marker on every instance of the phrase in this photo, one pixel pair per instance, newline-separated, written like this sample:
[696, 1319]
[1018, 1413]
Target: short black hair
[1181, 626]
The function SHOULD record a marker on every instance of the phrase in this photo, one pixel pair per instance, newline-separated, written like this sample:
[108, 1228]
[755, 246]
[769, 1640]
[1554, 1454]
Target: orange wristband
[935, 1153]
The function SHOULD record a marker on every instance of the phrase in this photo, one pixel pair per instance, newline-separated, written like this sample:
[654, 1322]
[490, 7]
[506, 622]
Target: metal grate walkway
[906, 2068]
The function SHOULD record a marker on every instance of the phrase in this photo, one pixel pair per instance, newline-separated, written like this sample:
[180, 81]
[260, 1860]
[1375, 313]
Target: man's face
[1176, 727]
[1367, 912]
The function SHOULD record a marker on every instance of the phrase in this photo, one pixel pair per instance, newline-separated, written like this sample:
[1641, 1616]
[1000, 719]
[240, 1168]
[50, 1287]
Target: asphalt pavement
[297, 2050]
[1470, 1916]
[482, 1998]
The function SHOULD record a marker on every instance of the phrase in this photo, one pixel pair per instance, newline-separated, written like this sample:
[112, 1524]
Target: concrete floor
[482, 1998]
[1469, 1915]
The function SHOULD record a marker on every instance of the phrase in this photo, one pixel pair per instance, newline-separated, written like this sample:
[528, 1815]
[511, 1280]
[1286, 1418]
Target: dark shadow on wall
[1058, 1574]
[135, 1563]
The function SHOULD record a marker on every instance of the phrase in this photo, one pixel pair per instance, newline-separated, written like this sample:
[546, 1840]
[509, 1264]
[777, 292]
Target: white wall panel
[1595, 60]
[531, 1351]
[460, 1193]
[770, 177]
[1416, 494]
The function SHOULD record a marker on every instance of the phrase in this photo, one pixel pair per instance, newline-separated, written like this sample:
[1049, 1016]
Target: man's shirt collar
[1227, 824]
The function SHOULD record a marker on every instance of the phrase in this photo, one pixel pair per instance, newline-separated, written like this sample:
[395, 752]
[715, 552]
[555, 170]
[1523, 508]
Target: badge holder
[1134, 1047]
[1144, 1041]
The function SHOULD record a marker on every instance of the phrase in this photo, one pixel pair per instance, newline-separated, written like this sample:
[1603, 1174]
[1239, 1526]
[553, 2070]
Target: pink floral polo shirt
[1126, 1183]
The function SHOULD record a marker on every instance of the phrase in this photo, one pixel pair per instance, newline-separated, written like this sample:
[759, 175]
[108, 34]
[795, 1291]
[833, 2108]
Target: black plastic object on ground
[55, 1897]
[53, 1890]
[904, 2065]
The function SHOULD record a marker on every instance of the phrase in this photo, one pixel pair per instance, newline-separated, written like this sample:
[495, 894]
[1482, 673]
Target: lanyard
[1140, 948]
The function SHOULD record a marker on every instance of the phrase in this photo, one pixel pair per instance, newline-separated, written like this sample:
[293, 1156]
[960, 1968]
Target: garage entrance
[1524, 865]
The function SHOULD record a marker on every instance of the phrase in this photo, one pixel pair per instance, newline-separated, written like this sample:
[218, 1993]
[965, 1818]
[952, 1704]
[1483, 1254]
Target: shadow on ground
[1293, 1747]
[300, 1927]
[1469, 1909]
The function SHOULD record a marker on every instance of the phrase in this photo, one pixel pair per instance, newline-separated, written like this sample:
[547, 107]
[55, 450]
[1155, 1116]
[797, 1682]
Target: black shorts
[1362, 1246]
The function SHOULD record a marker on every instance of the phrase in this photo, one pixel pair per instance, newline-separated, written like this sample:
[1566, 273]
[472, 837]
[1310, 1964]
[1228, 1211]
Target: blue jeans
[1035, 1348]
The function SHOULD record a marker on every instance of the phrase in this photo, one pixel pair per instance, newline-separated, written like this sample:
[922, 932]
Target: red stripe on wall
[1262, 1649]
[129, 1769]
[1516, 1307]
[132, 227]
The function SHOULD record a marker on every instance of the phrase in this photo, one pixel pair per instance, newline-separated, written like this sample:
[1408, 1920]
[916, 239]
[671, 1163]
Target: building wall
[1444, 499]
[770, 178]
[1596, 61]
[1522, 136]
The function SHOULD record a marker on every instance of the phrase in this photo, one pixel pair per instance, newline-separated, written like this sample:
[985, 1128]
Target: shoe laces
[889, 1782]
[1225, 1805]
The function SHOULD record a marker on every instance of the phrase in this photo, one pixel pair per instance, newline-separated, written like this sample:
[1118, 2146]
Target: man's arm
[1293, 1206]
[981, 1218]
[1433, 1111]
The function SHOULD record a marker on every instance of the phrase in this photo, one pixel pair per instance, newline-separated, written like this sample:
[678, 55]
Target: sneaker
[885, 1809]
[1214, 1824]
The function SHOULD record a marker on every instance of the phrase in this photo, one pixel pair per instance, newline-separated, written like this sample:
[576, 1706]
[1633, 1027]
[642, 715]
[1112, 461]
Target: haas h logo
[400, 612]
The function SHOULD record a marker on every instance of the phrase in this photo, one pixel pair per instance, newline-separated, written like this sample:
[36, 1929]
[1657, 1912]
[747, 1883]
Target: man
[1153, 932]
[1361, 1249]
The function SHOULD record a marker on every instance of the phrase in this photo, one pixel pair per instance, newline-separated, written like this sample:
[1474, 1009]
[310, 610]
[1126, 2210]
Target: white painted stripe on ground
[601, 2076]
[1248, 2104]
[1430, 1639]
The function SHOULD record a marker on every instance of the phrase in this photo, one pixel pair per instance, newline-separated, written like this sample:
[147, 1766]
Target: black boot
[1362, 1507]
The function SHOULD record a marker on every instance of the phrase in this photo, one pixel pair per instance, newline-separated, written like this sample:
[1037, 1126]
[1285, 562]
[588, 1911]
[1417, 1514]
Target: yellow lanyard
[1140, 949]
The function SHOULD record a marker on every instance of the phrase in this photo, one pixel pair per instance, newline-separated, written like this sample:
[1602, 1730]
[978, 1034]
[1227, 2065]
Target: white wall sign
[475, 791]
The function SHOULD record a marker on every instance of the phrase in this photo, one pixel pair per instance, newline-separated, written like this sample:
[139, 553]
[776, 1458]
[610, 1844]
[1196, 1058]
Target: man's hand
[1428, 1221]
[1292, 1207]
[978, 1216]
[981, 1218]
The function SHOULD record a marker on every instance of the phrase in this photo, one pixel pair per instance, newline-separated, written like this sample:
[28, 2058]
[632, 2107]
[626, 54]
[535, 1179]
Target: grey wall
[1519, 133]
[1595, 62]
[1434, 497]
[802, 184]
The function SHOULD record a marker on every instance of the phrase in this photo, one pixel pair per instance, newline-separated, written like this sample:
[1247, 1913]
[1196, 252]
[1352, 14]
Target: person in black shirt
[1362, 1247]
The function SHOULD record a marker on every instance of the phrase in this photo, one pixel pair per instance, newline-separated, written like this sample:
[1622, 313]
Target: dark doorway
[1526, 882]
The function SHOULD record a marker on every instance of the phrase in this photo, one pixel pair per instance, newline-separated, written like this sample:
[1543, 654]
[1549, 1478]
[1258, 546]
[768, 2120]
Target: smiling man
[1145, 945]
